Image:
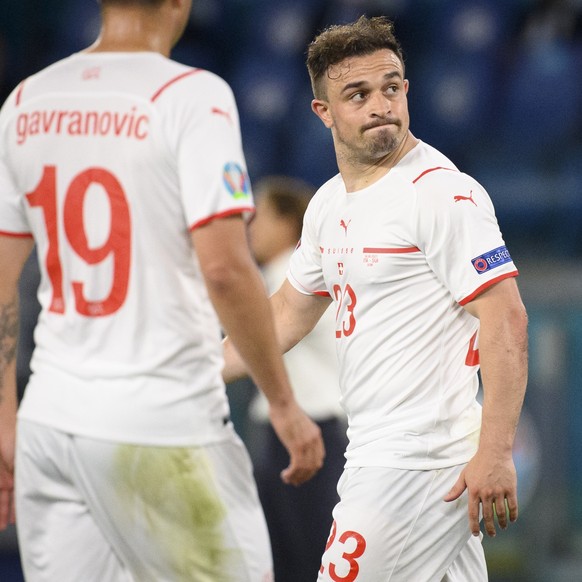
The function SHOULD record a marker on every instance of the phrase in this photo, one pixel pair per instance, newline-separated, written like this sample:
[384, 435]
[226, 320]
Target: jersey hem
[220, 434]
[429, 465]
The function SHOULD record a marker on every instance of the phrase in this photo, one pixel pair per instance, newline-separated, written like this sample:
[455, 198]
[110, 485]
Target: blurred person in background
[298, 518]
[127, 170]
[409, 250]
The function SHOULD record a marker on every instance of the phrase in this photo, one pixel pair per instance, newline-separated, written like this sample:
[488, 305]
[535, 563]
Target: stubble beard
[370, 149]
[383, 144]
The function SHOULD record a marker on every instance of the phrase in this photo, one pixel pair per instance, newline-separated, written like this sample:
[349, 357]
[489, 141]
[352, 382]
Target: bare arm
[490, 476]
[295, 316]
[13, 254]
[238, 294]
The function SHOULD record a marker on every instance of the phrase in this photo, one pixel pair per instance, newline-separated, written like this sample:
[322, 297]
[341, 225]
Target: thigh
[57, 535]
[177, 513]
[393, 525]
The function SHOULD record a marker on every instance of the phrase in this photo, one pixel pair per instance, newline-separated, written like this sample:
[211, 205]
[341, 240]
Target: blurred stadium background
[494, 84]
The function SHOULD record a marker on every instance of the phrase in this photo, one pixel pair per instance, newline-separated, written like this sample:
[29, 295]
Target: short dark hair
[287, 196]
[339, 42]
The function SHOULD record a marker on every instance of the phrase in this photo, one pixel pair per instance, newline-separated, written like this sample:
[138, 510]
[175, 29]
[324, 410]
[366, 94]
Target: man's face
[366, 106]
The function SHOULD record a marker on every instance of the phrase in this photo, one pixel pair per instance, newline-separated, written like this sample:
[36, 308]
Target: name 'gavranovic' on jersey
[491, 259]
[130, 124]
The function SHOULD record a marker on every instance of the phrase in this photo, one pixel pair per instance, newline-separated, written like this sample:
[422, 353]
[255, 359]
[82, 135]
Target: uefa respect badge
[491, 259]
[236, 181]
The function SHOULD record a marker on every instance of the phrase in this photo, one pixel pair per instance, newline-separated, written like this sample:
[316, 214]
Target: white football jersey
[109, 160]
[400, 258]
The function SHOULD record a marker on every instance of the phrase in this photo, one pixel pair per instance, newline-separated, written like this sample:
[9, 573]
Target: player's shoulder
[50, 76]
[330, 187]
[423, 163]
[328, 191]
[433, 175]
[148, 75]
[183, 80]
[16, 97]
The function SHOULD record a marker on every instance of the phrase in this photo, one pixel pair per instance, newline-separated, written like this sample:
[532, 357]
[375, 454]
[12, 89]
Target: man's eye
[359, 96]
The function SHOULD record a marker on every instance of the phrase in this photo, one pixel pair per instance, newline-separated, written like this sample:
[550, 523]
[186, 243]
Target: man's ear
[321, 109]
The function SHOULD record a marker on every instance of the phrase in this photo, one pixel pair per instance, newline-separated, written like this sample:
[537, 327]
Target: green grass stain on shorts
[171, 491]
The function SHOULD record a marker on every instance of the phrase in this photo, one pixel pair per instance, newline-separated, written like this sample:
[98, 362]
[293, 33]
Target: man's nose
[380, 105]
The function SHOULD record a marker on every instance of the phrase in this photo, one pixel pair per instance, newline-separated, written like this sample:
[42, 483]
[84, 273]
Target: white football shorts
[98, 511]
[392, 525]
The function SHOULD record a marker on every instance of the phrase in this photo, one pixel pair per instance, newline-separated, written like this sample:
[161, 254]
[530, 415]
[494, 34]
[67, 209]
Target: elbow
[516, 320]
[519, 316]
[220, 279]
[225, 278]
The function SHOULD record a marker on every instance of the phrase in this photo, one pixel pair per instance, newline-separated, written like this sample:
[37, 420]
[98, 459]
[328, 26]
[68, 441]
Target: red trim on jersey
[172, 81]
[230, 212]
[19, 93]
[394, 251]
[486, 285]
[16, 234]
[218, 111]
[431, 170]
[320, 293]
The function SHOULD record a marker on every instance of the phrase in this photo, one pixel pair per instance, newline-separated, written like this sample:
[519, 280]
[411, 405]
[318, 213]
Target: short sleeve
[459, 234]
[211, 164]
[305, 269]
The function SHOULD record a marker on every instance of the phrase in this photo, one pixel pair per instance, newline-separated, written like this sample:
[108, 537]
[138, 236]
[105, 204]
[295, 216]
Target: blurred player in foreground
[409, 250]
[298, 518]
[126, 169]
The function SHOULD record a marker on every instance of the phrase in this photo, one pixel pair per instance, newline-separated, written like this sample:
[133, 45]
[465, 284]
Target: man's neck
[357, 176]
[132, 31]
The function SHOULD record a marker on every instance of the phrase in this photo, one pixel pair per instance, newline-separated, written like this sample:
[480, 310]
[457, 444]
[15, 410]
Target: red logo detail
[92, 73]
[344, 225]
[218, 111]
[481, 265]
[469, 198]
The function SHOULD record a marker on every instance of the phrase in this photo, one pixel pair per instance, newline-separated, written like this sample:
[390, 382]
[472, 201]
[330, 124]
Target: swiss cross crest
[340, 268]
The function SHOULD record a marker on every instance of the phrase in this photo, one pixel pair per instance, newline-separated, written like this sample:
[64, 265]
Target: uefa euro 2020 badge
[236, 181]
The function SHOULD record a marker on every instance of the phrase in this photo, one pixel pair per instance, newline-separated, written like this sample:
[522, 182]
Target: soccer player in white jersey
[126, 169]
[409, 250]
